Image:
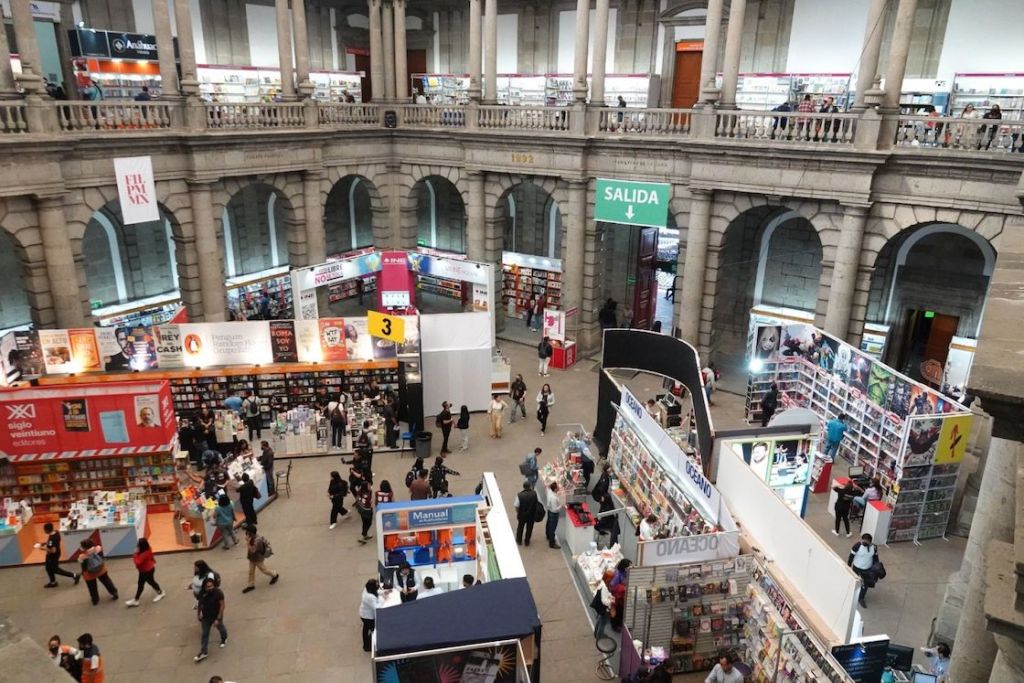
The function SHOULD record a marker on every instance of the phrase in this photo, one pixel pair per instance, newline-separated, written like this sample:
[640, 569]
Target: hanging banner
[282, 341]
[85, 352]
[307, 341]
[554, 324]
[168, 346]
[332, 339]
[136, 190]
[205, 344]
[56, 351]
[306, 307]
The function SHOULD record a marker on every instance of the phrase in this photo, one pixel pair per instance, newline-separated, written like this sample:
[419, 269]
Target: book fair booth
[908, 435]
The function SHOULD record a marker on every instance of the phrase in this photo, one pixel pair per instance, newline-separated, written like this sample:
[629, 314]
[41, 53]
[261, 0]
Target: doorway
[686, 80]
[363, 64]
[926, 336]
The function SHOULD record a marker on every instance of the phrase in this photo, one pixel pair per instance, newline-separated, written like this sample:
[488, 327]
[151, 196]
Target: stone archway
[440, 215]
[348, 214]
[533, 222]
[258, 230]
[16, 303]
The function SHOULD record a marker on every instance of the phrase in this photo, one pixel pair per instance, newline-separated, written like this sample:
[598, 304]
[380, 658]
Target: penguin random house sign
[631, 203]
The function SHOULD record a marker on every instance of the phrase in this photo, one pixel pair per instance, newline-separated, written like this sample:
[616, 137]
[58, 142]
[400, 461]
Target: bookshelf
[520, 282]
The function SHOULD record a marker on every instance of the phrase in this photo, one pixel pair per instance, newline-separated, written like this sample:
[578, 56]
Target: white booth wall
[456, 353]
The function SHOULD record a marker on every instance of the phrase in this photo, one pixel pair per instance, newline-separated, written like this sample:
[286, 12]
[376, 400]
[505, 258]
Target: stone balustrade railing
[19, 119]
[792, 127]
[969, 135]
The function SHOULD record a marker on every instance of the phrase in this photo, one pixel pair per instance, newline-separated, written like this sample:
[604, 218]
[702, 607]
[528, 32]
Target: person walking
[517, 392]
[528, 468]
[834, 430]
[92, 662]
[337, 489]
[861, 559]
[439, 478]
[844, 502]
[200, 572]
[145, 563]
[368, 605]
[248, 494]
[53, 552]
[384, 493]
[530, 305]
[257, 551]
[526, 513]
[94, 568]
[413, 473]
[444, 421]
[462, 424]
[339, 423]
[211, 615]
[267, 463]
[553, 505]
[545, 399]
[709, 376]
[224, 520]
[253, 420]
[494, 412]
[364, 506]
[769, 402]
[419, 489]
[544, 352]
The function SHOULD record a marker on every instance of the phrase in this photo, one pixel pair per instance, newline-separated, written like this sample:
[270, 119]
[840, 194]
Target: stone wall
[338, 215]
[249, 214]
[793, 266]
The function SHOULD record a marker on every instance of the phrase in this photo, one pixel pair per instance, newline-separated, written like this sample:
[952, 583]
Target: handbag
[539, 513]
[878, 569]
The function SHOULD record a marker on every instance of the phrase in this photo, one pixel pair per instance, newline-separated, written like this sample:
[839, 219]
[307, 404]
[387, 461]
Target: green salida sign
[632, 203]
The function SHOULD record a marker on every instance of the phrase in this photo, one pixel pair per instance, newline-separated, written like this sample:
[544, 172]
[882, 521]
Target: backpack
[93, 563]
[410, 477]
[525, 468]
[337, 417]
[252, 407]
[267, 550]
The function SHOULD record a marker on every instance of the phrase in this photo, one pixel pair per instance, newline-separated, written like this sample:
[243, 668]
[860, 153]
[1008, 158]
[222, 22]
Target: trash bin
[423, 445]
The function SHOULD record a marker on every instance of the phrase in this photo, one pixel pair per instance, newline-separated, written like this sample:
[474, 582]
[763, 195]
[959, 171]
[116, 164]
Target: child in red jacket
[146, 564]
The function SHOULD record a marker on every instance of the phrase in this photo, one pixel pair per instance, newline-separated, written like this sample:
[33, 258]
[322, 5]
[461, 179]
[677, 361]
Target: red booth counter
[564, 354]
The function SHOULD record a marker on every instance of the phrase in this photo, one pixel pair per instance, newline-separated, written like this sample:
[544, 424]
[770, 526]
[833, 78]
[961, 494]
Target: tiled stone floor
[306, 628]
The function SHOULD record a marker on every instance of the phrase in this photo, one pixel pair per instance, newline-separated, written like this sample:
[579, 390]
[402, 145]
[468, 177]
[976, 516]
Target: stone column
[67, 70]
[165, 50]
[475, 54]
[284, 50]
[8, 89]
[868, 70]
[376, 52]
[211, 258]
[600, 54]
[387, 20]
[709, 91]
[731, 63]
[844, 271]
[31, 77]
[316, 238]
[574, 245]
[899, 49]
[401, 57]
[60, 262]
[690, 299]
[305, 86]
[189, 84]
[491, 52]
[476, 231]
[579, 71]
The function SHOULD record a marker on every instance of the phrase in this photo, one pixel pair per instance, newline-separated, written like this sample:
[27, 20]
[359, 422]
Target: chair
[284, 480]
[607, 647]
[408, 438]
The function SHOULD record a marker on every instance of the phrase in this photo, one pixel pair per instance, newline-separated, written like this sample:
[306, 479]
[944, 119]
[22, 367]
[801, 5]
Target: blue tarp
[499, 610]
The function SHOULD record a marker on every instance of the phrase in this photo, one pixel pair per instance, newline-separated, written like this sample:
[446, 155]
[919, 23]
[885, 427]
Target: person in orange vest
[92, 665]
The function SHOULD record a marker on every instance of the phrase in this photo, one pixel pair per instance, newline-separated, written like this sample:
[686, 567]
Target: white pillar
[165, 50]
[284, 50]
[579, 71]
[8, 89]
[600, 53]
[60, 262]
[844, 271]
[868, 70]
[31, 77]
[387, 21]
[731, 63]
[475, 54]
[709, 91]
[401, 57]
[211, 257]
[691, 299]
[491, 52]
[305, 86]
[189, 83]
[899, 49]
[376, 52]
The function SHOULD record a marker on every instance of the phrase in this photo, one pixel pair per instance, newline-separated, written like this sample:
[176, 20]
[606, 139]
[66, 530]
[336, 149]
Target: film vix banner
[136, 189]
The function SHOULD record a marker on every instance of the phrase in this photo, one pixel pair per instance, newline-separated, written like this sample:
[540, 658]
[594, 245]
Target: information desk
[16, 539]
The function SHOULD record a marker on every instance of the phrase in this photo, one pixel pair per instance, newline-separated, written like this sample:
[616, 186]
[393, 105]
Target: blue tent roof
[499, 610]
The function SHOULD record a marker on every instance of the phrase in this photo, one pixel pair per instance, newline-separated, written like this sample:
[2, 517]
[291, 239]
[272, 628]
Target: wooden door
[365, 83]
[645, 293]
[686, 81]
[940, 336]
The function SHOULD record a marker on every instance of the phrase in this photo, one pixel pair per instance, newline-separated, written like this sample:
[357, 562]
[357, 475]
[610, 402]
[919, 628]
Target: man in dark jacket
[526, 513]
[544, 353]
[769, 402]
[247, 495]
[518, 394]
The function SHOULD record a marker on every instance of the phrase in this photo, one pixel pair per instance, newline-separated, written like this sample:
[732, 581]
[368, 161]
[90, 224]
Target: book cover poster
[76, 415]
[84, 350]
[332, 339]
[282, 341]
[56, 351]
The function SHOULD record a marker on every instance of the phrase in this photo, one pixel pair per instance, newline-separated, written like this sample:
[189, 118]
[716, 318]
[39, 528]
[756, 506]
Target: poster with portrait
[56, 351]
[131, 348]
[797, 341]
[759, 456]
[767, 341]
[878, 385]
[147, 411]
[76, 415]
[332, 339]
[859, 373]
[479, 665]
[922, 439]
[411, 346]
[84, 350]
[922, 401]
[358, 343]
[953, 439]
[841, 364]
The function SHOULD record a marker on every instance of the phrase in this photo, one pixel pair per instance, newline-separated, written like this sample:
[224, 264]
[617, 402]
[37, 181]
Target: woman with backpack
[339, 423]
[545, 399]
[336, 491]
[224, 520]
[364, 506]
[439, 478]
[94, 568]
[463, 426]
[145, 563]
